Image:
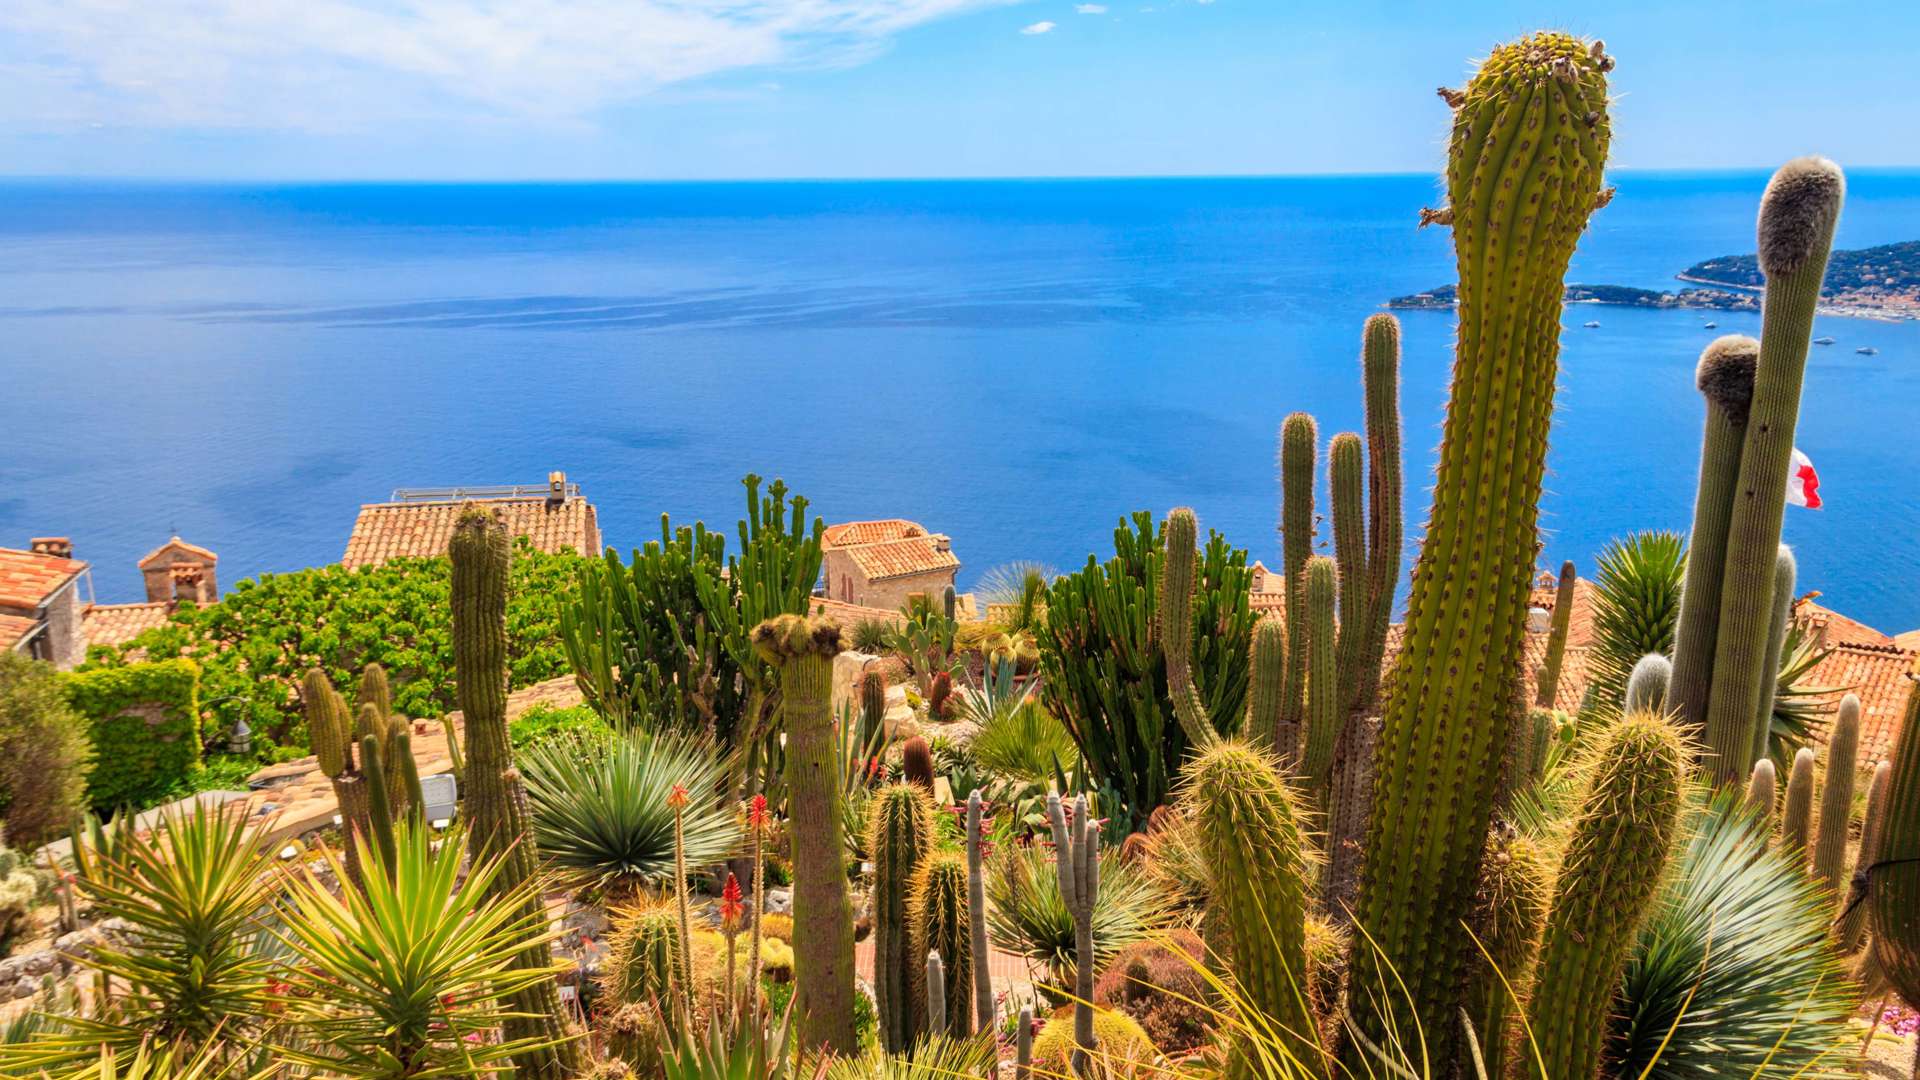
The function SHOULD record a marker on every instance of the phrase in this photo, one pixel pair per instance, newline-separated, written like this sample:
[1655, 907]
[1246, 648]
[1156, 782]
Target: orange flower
[757, 812]
[731, 909]
[677, 798]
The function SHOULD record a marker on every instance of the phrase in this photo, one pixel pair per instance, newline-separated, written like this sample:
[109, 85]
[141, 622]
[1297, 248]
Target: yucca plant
[933, 1057]
[151, 1060]
[1734, 973]
[600, 807]
[1636, 606]
[1800, 706]
[192, 891]
[1016, 737]
[756, 1047]
[1027, 916]
[407, 977]
[1020, 588]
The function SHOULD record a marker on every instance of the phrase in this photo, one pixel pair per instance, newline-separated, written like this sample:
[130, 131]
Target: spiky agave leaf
[1636, 605]
[752, 1047]
[1024, 742]
[600, 813]
[1800, 706]
[1736, 962]
[933, 1057]
[1026, 915]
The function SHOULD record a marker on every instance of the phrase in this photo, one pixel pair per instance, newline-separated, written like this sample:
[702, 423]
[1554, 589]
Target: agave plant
[753, 1047]
[192, 975]
[1735, 973]
[1016, 738]
[150, 1060]
[1635, 607]
[408, 976]
[600, 812]
[1027, 917]
[934, 1057]
[1018, 588]
[1800, 707]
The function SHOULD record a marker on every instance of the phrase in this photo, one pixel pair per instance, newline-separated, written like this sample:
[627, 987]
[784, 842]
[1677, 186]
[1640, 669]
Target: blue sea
[1016, 363]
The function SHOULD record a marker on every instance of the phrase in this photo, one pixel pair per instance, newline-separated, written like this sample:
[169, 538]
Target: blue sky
[514, 89]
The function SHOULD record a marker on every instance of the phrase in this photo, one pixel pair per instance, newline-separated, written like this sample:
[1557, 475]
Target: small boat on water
[1591, 325]
[1711, 325]
[1823, 341]
[1867, 350]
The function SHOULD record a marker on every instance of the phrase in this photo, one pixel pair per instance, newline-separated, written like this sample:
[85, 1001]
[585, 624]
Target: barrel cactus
[899, 838]
[937, 913]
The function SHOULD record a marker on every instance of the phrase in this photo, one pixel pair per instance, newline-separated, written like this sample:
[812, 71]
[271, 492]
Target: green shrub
[543, 723]
[258, 641]
[43, 752]
[144, 726]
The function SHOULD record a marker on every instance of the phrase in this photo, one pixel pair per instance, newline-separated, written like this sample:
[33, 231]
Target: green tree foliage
[143, 722]
[257, 642]
[43, 753]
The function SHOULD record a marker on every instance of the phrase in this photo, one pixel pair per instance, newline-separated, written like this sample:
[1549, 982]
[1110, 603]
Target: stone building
[177, 570]
[879, 564]
[41, 603]
[418, 523]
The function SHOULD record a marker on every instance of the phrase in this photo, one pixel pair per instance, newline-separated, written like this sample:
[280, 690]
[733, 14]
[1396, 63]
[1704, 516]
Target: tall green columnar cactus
[1265, 683]
[1546, 729]
[1347, 813]
[1836, 795]
[330, 730]
[1797, 218]
[802, 649]
[977, 915]
[1076, 846]
[1725, 379]
[938, 912]
[1648, 683]
[1346, 484]
[1763, 789]
[873, 702]
[1612, 867]
[379, 809]
[1380, 375]
[1893, 871]
[1299, 450]
[899, 837]
[1548, 687]
[1853, 918]
[1796, 818]
[1515, 881]
[496, 803]
[1250, 831]
[1176, 626]
[1530, 136]
[1785, 571]
[1323, 691]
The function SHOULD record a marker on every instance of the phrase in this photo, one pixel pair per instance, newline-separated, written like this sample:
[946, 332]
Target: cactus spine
[1763, 788]
[1514, 885]
[801, 649]
[1836, 795]
[873, 702]
[1323, 698]
[1548, 688]
[1530, 137]
[1784, 573]
[1249, 830]
[916, 763]
[899, 836]
[1612, 867]
[1724, 378]
[1797, 218]
[1176, 625]
[496, 803]
[1380, 379]
[1796, 819]
[977, 916]
[642, 954]
[1265, 682]
[1853, 919]
[1893, 868]
[1647, 685]
[938, 910]
[1299, 439]
[1350, 805]
[1076, 847]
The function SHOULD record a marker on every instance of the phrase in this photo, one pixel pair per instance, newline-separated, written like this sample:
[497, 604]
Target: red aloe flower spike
[731, 909]
[677, 798]
[757, 812]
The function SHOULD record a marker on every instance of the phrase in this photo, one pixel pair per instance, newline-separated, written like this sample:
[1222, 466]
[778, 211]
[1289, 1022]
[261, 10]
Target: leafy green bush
[143, 721]
[544, 723]
[43, 752]
[256, 643]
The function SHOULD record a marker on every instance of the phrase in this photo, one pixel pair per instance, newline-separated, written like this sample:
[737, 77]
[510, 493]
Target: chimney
[556, 488]
[60, 547]
[1539, 620]
[942, 543]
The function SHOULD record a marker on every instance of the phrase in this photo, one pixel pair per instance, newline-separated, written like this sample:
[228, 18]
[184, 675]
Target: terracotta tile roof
[1580, 625]
[117, 624]
[1879, 675]
[13, 628]
[192, 549]
[902, 558]
[27, 579]
[1832, 628]
[852, 615]
[1269, 592]
[422, 529]
[1908, 640]
[849, 533]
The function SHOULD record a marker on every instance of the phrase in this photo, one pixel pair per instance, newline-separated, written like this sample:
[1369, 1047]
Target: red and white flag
[1803, 484]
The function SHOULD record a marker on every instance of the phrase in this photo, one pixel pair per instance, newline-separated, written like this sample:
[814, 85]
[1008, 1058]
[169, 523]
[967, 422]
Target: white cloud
[1040, 27]
[1090, 9]
[354, 64]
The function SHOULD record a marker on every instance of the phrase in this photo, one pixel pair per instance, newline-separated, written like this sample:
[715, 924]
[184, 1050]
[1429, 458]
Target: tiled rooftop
[422, 529]
[192, 549]
[27, 578]
[1833, 628]
[13, 628]
[117, 624]
[1880, 676]
[849, 533]
[852, 615]
[902, 558]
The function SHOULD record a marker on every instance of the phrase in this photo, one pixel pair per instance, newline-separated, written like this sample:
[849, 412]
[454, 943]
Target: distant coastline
[1869, 283]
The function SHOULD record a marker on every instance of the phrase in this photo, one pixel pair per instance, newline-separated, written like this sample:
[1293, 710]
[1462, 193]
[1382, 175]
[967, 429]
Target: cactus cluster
[368, 756]
[941, 932]
[1076, 842]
